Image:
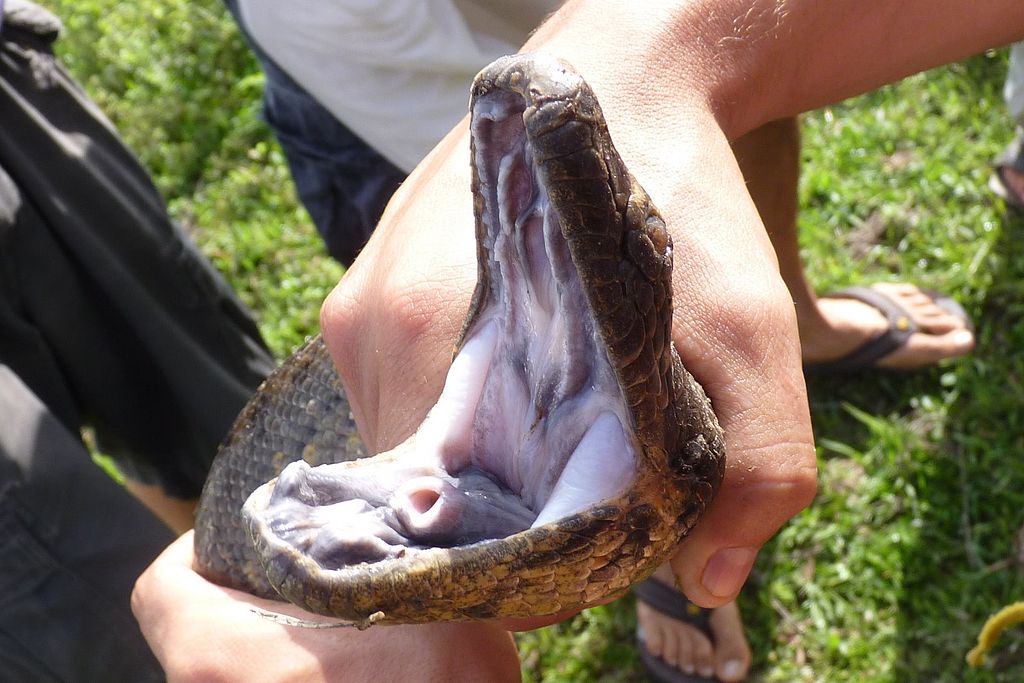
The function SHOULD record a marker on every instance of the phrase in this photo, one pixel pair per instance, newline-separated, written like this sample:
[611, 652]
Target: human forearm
[754, 61]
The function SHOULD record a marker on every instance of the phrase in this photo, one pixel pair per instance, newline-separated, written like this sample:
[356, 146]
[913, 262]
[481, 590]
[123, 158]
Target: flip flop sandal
[1011, 158]
[901, 327]
[671, 603]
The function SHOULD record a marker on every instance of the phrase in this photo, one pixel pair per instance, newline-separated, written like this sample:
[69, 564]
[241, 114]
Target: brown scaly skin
[623, 254]
[300, 411]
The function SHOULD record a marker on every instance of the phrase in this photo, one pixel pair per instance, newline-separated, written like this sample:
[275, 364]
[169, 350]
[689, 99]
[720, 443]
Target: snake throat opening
[531, 425]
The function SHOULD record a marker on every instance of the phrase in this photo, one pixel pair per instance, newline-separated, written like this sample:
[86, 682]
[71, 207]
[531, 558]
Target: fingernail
[707, 672]
[727, 570]
[963, 338]
[732, 670]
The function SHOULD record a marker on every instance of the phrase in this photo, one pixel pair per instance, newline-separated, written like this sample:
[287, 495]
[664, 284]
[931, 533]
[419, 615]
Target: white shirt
[396, 72]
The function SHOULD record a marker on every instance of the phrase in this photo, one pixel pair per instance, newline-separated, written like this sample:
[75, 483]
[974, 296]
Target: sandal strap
[672, 603]
[900, 326]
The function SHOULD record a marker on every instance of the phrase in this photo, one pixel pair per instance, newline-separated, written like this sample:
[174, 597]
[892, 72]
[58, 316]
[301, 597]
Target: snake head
[570, 450]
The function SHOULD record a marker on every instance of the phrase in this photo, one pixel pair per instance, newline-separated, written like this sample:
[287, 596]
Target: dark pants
[108, 317]
[72, 542]
[343, 182]
[107, 311]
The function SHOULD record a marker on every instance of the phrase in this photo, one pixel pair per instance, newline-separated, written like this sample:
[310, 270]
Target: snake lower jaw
[432, 491]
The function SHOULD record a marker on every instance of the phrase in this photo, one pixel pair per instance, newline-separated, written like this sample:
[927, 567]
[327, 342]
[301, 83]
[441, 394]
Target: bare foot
[726, 656]
[843, 325]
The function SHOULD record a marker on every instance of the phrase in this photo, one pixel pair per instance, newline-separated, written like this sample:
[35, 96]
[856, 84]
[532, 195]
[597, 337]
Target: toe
[925, 349]
[684, 654]
[671, 653]
[937, 320]
[651, 636]
[732, 652]
[929, 315]
[701, 653]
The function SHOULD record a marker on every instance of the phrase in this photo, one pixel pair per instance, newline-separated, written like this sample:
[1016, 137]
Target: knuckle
[747, 327]
[759, 324]
[341, 318]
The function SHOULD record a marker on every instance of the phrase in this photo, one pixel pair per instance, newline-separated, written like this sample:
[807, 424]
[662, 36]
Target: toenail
[726, 571]
[732, 670]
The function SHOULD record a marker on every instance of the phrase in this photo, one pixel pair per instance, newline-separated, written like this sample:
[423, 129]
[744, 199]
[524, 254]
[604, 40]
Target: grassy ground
[916, 534]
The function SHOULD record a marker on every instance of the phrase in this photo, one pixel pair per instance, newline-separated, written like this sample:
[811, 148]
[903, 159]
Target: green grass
[910, 542]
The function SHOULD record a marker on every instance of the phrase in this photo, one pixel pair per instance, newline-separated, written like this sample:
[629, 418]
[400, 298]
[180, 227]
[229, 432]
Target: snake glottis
[569, 451]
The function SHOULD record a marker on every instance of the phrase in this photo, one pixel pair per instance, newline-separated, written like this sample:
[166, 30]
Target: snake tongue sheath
[569, 451]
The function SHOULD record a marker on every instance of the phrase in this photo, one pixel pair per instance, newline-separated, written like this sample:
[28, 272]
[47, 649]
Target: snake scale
[570, 450]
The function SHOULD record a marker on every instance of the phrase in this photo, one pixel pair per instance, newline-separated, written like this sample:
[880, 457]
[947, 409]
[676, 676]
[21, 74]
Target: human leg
[110, 314]
[71, 544]
[342, 181]
[1008, 178]
[177, 513]
[832, 327]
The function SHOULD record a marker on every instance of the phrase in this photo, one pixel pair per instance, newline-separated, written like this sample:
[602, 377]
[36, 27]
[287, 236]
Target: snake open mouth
[531, 426]
[570, 449]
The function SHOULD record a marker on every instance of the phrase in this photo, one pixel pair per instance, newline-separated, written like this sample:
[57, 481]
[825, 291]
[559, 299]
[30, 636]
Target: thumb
[770, 472]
